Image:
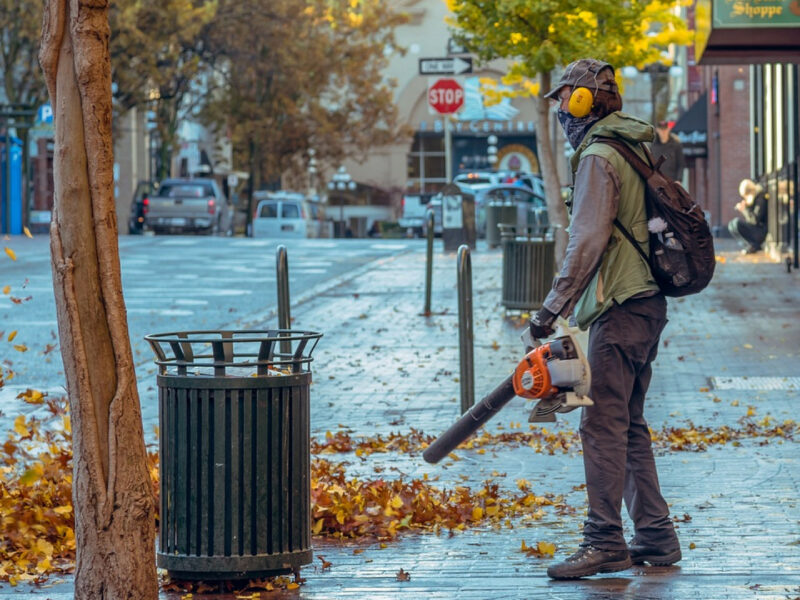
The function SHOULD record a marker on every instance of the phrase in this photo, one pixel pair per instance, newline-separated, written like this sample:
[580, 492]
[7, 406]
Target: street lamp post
[341, 181]
[312, 171]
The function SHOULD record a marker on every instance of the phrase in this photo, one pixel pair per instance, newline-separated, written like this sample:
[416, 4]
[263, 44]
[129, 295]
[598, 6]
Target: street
[170, 283]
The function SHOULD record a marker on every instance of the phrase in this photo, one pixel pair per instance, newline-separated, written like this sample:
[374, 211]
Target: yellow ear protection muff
[580, 102]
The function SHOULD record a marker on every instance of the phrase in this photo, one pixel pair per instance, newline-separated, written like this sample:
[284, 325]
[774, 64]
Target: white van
[281, 214]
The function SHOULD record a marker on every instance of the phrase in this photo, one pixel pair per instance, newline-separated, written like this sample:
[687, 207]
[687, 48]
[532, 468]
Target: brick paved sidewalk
[382, 368]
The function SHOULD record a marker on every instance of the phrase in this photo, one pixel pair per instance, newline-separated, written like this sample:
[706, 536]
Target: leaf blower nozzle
[556, 373]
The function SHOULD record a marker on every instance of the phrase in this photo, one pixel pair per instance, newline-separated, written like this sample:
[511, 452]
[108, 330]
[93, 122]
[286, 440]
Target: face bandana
[574, 128]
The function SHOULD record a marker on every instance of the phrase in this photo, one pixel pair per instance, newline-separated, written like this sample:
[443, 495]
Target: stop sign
[446, 96]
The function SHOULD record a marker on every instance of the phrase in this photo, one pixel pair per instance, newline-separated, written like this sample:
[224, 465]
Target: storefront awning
[692, 129]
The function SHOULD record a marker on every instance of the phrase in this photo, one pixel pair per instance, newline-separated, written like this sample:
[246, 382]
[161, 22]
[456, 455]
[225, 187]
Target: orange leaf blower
[556, 373]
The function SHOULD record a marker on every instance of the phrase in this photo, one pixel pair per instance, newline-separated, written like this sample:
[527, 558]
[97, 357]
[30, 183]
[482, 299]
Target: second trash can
[234, 452]
[528, 266]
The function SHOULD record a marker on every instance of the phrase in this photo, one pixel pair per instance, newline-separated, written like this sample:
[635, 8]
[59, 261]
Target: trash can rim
[276, 348]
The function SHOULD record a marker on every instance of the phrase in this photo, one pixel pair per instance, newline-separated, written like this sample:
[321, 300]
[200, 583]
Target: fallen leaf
[11, 254]
[27, 232]
[403, 576]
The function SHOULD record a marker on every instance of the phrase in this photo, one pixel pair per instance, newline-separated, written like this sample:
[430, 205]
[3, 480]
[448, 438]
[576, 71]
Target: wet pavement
[727, 354]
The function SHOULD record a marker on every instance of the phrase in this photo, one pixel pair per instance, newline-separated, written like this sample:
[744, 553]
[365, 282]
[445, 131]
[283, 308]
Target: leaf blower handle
[528, 340]
[471, 421]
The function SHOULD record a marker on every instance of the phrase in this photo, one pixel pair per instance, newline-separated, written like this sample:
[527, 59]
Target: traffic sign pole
[448, 148]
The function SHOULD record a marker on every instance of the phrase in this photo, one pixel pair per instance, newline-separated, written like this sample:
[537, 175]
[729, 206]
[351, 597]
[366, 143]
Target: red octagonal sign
[446, 96]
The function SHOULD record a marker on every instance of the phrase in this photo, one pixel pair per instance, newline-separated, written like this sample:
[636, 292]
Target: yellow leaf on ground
[20, 347]
[546, 548]
[397, 502]
[45, 547]
[7, 289]
[20, 427]
[12, 335]
[29, 477]
[27, 232]
[31, 396]
[477, 513]
[11, 254]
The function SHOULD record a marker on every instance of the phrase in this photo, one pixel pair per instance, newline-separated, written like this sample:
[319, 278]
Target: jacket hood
[618, 125]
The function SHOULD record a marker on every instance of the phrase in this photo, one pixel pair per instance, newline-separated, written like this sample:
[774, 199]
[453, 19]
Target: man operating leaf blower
[606, 284]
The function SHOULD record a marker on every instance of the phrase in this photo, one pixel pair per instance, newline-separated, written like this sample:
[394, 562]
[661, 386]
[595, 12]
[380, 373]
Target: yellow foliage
[355, 19]
[11, 254]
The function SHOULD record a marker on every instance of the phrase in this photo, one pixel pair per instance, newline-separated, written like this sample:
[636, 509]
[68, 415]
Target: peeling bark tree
[112, 494]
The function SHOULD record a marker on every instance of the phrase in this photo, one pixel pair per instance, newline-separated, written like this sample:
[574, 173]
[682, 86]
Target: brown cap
[589, 73]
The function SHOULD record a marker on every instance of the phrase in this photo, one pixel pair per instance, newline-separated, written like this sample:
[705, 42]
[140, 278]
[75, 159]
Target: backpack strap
[642, 168]
[631, 239]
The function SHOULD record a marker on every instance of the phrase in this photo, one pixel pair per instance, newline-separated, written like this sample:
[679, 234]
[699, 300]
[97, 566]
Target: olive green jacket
[601, 266]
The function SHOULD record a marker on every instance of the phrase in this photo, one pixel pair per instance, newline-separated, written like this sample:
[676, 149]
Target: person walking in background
[608, 288]
[751, 228]
[669, 146]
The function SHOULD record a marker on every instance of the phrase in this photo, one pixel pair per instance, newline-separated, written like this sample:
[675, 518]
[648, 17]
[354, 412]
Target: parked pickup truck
[414, 208]
[196, 205]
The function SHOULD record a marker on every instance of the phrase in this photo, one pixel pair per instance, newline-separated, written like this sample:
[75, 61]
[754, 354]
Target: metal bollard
[284, 304]
[429, 262]
[465, 329]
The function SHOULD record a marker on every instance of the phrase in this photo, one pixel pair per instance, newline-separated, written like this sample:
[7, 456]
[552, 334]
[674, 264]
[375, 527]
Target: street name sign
[453, 65]
[445, 96]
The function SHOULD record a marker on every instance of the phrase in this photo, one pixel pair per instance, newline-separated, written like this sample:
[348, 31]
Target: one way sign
[445, 66]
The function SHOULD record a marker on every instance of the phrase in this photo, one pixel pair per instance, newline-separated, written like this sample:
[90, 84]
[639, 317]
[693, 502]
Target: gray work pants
[617, 453]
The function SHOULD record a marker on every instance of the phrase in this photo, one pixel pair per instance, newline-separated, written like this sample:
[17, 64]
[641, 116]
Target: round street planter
[234, 452]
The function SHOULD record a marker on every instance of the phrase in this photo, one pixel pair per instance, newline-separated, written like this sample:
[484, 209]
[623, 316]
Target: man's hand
[541, 325]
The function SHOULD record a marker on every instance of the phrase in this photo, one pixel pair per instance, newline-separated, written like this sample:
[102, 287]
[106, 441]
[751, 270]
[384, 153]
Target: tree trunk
[112, 493]
[556, 211]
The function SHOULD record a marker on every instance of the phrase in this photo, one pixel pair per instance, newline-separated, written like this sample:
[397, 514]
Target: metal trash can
[497, 213]
[528, 266]
[234, 452]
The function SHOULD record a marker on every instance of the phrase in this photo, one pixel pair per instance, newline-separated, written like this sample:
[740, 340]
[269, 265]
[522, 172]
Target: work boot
[589, 560]
[658, 557]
